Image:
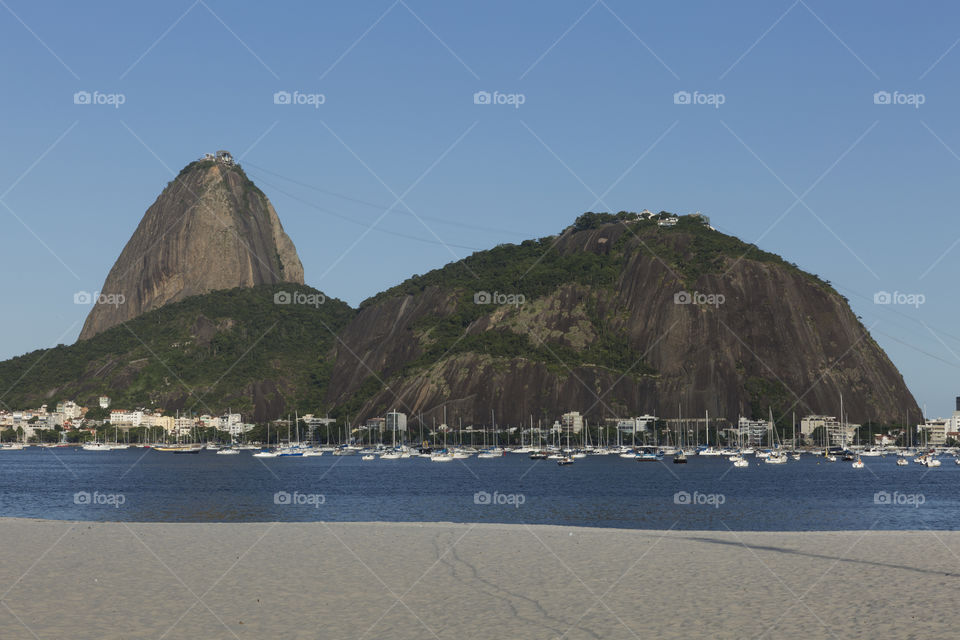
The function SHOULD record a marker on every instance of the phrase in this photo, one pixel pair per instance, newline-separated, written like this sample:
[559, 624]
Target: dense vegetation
[535, 267]
[204, 353]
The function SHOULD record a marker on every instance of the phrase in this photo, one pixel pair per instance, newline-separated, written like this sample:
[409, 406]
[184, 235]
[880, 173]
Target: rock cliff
[210, 229]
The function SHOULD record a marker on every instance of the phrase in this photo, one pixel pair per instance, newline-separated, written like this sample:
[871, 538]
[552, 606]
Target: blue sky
[798, 158]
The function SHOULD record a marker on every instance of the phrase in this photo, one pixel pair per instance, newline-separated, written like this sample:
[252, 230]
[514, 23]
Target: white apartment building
[183, 426]
[572, 422]
[157, 420]
[396, 421]
[935, 430]
[121, 418]
[939, 429]
[836, 433]
[70, 410]
[638, 424]
[753, 432]
[237, 430]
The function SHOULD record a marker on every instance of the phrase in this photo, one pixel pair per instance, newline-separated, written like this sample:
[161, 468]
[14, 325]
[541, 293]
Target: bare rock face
[210, 229]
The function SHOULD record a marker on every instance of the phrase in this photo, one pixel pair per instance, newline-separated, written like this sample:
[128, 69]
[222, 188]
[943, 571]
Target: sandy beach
[398, 580]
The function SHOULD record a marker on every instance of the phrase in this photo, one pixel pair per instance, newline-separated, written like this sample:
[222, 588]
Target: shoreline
[437, 579]
[475, 524]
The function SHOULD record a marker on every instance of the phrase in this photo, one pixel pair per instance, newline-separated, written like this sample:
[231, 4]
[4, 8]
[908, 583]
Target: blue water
[602, 491]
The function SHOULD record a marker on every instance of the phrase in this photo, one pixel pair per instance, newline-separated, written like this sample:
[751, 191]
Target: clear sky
[783, 141]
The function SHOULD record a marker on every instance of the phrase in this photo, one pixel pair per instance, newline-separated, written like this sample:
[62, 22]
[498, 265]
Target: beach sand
[438, 580]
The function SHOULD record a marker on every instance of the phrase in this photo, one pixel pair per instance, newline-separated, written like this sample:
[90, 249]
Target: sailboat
[858, 463]
[444, 455]
[777, 456]
[737, 459]
[793, 421]
[495, 452]
[266, 452]
[566, 458]
[709, 450]
[829, 457]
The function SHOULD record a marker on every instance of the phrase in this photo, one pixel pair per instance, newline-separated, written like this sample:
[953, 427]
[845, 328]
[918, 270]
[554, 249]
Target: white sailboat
[777, 456]
[267, 453]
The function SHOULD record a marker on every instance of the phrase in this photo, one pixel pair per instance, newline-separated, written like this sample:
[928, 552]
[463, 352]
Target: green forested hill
[234, 349]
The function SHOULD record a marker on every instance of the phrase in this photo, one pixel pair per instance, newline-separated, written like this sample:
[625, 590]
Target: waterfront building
[396, 421]
[70, 409]
[376, 424]
[121, 418]
[572, 422]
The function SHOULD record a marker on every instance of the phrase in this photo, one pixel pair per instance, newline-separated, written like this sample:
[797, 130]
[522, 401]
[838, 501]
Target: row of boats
[562, 456]
[780, 456]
